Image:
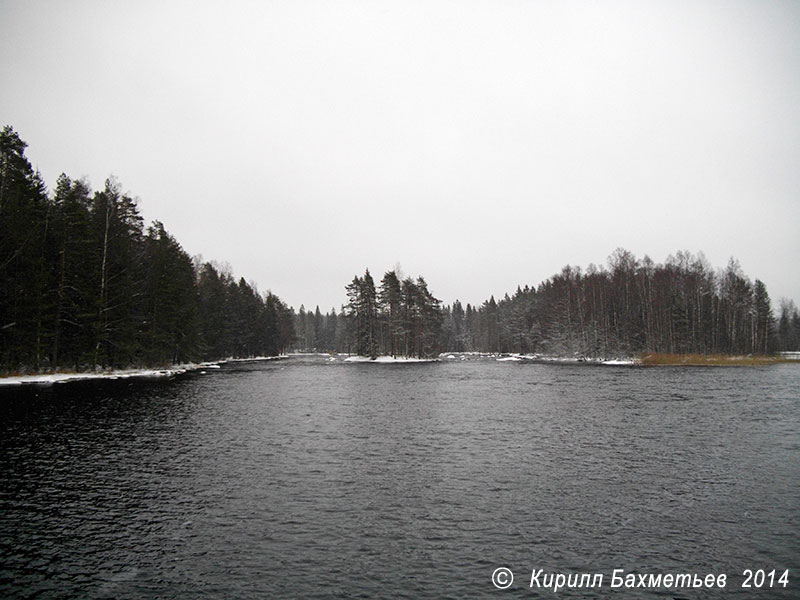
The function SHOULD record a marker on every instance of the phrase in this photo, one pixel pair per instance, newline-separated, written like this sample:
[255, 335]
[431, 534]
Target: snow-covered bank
[614, 362]
[254, 359]
[51, 378]
[109, 375]
[539, 358]
[388, 359]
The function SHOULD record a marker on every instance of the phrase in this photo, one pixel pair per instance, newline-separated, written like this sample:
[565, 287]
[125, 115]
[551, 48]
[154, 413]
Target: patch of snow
[358, 359]
[550, 359]
[52, 378]
[255, 358]
[388, 359]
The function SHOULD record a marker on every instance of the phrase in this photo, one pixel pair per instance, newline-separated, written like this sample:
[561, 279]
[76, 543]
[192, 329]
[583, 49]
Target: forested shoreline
[85, 285]
[633, 307]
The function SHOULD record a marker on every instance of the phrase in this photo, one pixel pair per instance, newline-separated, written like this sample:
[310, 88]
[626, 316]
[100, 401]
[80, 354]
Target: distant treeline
[631, 307]
[84, 284]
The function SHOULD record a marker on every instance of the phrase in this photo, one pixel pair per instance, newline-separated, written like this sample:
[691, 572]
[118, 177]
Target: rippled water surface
[313, 479]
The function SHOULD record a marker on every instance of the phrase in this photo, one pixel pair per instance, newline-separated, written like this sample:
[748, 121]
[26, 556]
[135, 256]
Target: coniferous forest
[84, 284]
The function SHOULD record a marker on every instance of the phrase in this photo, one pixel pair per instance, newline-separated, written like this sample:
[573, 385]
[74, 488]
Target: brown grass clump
[707, 360]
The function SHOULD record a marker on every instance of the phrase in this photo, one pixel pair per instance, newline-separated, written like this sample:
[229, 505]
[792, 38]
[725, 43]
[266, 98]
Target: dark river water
[303, 478]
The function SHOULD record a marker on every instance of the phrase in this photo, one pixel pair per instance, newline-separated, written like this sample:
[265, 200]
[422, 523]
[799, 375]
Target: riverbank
[112, 374]
[650, 359]
[388, 359]
[539, 358]
[709, 360]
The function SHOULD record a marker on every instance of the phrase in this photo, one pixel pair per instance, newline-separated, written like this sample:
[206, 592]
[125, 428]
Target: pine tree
[73, 283]
[389, 300]
[118, 238]
[362, 310]
[24, 276]
[215, 313]
[170, 332]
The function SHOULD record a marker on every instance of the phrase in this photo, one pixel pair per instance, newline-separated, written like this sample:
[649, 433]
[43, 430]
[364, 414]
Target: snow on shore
[254, 359]
[171, 371]
[579, 360]
[388, 359]
[51, 378]
[539, 358]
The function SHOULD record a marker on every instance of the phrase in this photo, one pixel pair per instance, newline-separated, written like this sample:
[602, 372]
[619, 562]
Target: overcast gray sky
[480, 144]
